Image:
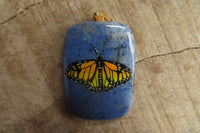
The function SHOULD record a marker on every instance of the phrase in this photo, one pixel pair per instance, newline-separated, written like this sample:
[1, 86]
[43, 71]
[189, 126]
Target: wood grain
[167, 77]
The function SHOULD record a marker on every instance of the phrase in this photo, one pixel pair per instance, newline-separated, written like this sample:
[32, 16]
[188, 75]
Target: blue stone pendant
[99, 64]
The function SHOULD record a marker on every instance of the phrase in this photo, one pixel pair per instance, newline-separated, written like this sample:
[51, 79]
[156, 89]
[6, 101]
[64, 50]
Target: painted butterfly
[98, 75]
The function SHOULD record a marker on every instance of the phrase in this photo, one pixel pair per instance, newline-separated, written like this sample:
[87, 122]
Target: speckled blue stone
[107, 104]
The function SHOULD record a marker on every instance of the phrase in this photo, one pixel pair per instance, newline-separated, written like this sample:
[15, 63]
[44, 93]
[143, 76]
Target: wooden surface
[167, 77]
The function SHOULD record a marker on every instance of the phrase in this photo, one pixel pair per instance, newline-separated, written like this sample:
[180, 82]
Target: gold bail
[99, 16]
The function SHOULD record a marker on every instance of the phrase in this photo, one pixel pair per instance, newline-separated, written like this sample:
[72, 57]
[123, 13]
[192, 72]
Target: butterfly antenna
[94, 49]
[104, 46]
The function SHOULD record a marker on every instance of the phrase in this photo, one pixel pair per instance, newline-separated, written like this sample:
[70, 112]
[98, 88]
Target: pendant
[99, 64]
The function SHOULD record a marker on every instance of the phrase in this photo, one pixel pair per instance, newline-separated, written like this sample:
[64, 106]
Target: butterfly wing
[87, 73]
[82, 72]
[114, 74]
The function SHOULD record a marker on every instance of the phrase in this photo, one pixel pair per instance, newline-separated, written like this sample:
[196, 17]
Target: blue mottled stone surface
[120, 48]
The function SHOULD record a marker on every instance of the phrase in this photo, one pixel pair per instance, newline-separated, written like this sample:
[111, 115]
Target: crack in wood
[21, 12]
[165, 54]
[49, 106]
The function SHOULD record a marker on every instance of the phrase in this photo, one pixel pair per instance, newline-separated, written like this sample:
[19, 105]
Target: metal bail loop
[99, 16]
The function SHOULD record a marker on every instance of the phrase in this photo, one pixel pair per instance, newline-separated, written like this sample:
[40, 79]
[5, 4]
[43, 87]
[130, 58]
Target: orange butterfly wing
[82, 72]
[115, 74]
[87, 73]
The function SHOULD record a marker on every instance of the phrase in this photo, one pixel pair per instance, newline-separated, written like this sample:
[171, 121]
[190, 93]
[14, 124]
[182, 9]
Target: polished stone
[100, 103]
